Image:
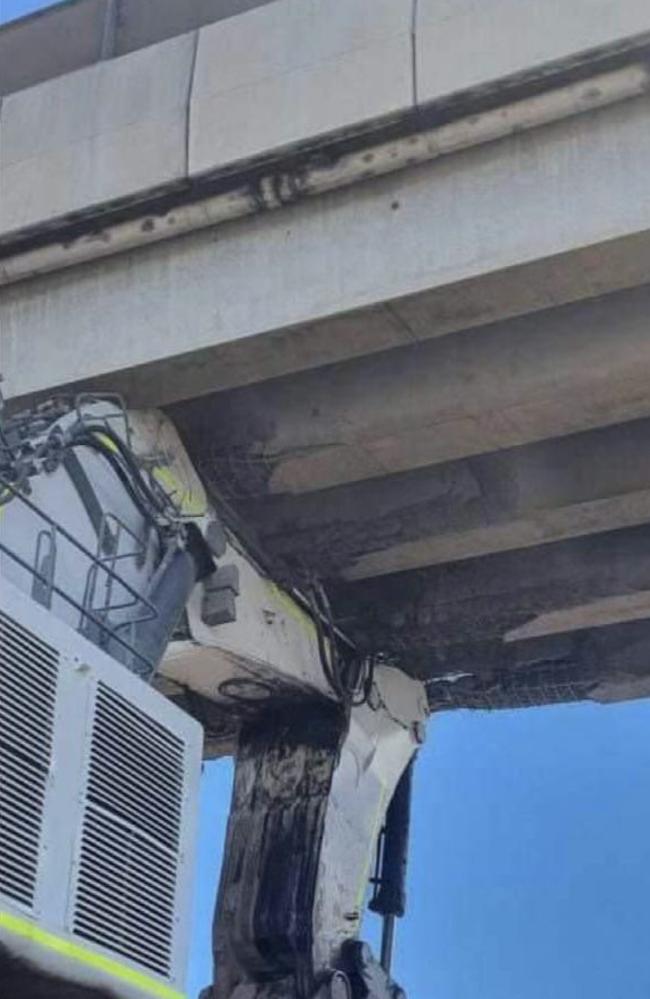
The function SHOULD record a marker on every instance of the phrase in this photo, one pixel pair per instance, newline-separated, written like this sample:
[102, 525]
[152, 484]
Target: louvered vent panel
[129, 852]
[28, 680]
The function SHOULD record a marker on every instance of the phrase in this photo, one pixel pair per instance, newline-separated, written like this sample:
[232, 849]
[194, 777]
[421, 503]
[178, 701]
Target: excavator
[140, 636]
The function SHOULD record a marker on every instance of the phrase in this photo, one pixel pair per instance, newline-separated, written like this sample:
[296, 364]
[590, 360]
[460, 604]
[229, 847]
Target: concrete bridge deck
[386, 264]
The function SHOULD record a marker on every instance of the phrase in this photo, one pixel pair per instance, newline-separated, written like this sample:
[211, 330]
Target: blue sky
[10, 9]
[530, 868]
[529, 874]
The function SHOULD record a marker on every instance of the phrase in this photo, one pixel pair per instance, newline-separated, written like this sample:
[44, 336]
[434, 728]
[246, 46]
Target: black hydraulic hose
[328, 652]
[157, 497]
[90, 436]
[130, 476]
[111, 458]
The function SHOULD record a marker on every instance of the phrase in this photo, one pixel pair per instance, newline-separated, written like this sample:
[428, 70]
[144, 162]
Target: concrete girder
[520, 497]
[559, 214]
[603, 664]
[541, 376]
[435, 614]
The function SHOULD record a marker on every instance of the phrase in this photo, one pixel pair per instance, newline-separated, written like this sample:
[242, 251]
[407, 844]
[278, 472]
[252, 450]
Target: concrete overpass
[386, 264]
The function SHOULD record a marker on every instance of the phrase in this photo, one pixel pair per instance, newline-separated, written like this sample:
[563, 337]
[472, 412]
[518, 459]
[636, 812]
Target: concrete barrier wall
[97, 135]
[297, 69]
[285, 73]
[55, 41]
[77, 33]
[471, 43]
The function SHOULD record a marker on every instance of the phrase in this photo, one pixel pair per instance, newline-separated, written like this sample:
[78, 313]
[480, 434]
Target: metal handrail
[96, 565]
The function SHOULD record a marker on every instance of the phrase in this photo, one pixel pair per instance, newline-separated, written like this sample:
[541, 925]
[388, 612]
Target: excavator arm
[323, 738]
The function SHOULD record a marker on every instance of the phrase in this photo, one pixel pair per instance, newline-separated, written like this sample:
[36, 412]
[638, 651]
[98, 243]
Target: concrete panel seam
[414, 51]
[188, 102]
[109, 31]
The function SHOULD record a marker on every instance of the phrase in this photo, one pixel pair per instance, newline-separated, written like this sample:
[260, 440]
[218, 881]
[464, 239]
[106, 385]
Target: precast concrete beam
[519, 497]
[541, 376]
[502, 599]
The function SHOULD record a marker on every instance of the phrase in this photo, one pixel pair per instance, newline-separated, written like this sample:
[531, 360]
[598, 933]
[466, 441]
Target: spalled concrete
[455, 607]
[516, 498]
[428, 370]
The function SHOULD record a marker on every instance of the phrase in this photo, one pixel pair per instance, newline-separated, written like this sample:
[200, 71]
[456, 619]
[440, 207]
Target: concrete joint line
[414, 51]
[188, 101]
[109, 31]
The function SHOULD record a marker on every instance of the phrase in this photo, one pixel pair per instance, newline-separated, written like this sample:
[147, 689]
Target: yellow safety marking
[290, 607]
[110, 444]
[189, 504]
[29, 931]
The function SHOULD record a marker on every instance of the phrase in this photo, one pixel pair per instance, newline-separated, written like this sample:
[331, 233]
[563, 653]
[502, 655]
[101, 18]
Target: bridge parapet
[76, 33]
[289, 75]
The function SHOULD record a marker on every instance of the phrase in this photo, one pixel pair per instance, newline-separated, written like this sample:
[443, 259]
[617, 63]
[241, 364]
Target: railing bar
[76, 544]
[73, 603]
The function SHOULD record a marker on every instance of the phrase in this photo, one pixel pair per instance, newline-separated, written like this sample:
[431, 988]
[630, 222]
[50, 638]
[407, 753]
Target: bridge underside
[429, 388]
[476, 507]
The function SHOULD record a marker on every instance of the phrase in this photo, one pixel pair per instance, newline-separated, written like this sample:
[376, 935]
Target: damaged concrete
[515, 498]
[416, 386]
[485, 599]
[545, 375]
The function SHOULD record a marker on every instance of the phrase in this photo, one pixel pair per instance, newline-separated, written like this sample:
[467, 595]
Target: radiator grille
[28, 682]
[126, 885]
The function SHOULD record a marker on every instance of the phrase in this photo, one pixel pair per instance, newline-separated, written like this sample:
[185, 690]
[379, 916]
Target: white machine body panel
[99, 780]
